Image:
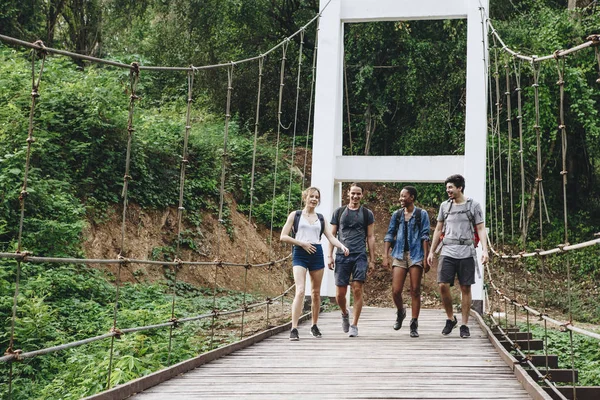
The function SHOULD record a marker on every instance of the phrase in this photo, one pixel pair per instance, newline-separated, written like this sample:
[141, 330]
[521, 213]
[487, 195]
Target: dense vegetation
[405, 96]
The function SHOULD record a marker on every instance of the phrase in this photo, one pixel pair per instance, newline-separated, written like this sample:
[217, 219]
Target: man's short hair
[412, 191]
[457, 180]
[358, 185]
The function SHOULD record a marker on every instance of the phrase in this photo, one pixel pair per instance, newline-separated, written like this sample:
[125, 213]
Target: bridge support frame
[331, 168]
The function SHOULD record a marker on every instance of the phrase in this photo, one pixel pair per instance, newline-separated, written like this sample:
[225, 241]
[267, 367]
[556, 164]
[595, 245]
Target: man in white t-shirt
[459, 219]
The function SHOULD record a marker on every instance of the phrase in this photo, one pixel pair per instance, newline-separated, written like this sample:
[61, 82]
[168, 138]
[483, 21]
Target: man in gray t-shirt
[354, 226]
[459, 219]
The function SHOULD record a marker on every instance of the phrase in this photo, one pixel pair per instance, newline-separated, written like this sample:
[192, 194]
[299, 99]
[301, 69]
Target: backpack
[470, 216]
[297, 222]
[416, 213]
[340, 211]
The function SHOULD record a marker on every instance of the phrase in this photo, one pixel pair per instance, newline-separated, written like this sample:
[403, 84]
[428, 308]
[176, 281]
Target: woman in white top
[308, 256]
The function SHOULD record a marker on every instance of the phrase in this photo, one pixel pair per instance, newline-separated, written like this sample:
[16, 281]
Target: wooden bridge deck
[379, 364]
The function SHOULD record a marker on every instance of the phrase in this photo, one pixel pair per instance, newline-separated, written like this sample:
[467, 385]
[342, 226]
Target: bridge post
[476, 122]
[327, 134]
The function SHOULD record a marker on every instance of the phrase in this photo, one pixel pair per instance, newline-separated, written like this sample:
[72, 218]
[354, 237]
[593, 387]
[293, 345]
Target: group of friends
[408, 251]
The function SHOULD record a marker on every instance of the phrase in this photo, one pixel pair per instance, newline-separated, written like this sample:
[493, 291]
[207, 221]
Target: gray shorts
[406, 262]
[449, 268]
[352, 267]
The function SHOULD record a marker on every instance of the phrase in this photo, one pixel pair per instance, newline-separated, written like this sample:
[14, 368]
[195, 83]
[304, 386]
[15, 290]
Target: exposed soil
[149, 230]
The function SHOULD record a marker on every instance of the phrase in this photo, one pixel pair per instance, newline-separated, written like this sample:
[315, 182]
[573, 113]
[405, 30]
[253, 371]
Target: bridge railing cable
[122, 260]
[514, 262]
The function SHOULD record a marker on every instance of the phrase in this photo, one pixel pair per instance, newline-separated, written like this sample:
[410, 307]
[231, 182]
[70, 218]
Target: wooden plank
[515, 336]
[535, 344]
[539, 360]
[380, 364]
[582, 392]
[532, 388]
[145, 382]
[557, 375]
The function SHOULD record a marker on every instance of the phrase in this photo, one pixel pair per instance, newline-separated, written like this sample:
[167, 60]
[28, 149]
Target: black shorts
[449, 268]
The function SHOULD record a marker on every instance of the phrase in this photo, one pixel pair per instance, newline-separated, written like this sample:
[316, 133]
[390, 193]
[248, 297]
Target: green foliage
[406, 81]
[70, 303]
[542, 27]
[585, 352]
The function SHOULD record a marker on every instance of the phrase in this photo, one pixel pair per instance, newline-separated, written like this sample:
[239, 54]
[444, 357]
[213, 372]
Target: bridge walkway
[380, 363]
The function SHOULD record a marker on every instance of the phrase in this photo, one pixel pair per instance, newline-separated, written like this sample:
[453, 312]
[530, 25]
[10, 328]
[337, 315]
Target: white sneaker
[353, 331]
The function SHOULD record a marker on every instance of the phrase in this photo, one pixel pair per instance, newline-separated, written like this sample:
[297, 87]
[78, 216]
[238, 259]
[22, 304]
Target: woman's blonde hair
[307, 193]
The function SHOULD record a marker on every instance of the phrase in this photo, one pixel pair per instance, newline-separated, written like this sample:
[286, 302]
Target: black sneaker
[400, 317]
[464, 332]
[294, 335]
[314, 330]
[450, 324]
[414, 324]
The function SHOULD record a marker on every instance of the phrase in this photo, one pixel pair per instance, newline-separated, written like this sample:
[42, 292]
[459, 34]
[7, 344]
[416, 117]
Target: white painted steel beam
[396, 10]
[397, 168]
[476, 116]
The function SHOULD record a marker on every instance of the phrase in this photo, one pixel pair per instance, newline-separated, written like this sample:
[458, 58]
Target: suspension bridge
[497, 362]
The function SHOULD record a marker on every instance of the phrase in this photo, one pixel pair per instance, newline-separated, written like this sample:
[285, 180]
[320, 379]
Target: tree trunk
[573, 4]
[370, 126]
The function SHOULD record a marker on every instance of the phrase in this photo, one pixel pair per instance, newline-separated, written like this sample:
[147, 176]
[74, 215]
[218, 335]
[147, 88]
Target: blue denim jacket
[415, 238]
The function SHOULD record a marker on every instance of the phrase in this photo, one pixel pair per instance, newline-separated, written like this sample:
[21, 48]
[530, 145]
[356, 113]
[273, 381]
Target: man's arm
[331, 247]
[371, 242]
[484, 242]
[435, 241]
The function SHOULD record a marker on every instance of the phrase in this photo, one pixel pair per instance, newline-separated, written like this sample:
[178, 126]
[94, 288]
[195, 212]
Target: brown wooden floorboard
[379, 364]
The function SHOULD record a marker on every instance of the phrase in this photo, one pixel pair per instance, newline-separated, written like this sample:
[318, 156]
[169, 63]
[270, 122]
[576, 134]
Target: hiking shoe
[353, 331]
[294, 335]
[401, 314]
[346, 322]
[414, 324]
[450, 324]
[464, 332]
[314, 330]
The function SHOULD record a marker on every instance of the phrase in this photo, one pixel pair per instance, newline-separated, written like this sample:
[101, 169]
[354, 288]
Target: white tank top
[308, 232]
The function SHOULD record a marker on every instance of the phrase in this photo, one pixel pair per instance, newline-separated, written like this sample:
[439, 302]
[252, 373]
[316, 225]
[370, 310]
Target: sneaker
[450, 324]
[464, 332]
[401, 315]
[294, 335]
[414, 324]
[346, 322]
[353, 331]
[314, 330]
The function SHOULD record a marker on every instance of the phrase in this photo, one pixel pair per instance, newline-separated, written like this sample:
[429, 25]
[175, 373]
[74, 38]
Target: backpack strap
[366, 220]
[296, 222]
[338, 216]
[416, 213]
[322, 221]
[399, 213]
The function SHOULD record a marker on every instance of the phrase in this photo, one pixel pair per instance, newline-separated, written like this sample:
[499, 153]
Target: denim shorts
[449, 268]
[354, 266]
[312, 262]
